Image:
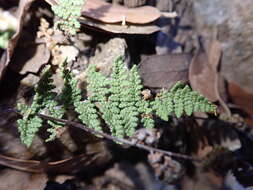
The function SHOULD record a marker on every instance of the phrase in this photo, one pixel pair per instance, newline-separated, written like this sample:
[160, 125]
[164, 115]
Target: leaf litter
[92, 163]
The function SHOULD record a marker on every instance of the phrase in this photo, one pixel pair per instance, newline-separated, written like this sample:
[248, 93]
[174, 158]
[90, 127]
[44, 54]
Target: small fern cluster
[47, 101]
[116, 100]
[44, 99]
[68, 11]
[119, 100]
[180, 99]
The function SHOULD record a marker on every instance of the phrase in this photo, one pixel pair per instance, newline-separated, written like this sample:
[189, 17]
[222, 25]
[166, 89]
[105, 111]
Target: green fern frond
[97, 85]
[146, 111]
[115, 109]
[88, 114]
[87, 110]
[30, 123]
[43, 100]
[117, 100]
[120, 101]
[180, 99]
[68, 11]
[56, 111]
[70, 92]
[28, 128]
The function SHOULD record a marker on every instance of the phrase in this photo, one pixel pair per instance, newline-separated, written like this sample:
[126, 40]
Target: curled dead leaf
[203, 72]
[111, 13]
[204, 75]
[119, 29]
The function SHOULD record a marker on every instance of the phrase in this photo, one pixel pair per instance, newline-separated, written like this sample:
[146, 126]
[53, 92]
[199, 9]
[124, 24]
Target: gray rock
[164, 5]
[134, 3]
[108, 52]
[232, 21]
[30, 80]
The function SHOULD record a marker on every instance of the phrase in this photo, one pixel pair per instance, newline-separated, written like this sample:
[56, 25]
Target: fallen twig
[120, 140]
[107, 136]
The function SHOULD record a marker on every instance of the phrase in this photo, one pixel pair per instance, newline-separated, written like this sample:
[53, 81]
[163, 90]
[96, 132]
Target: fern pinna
[68, 12]
[44, 99]
[117, 100]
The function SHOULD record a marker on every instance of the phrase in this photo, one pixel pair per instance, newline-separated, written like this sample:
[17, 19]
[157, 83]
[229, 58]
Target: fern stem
[120, 140]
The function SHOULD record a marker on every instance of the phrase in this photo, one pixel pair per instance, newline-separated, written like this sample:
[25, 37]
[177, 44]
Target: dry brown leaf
[23, 7]
[119, 29]
[241, 98]
[162, 71]
[111, 13]
[203, 72]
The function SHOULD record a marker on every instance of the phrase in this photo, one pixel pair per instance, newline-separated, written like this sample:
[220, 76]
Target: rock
[30, 80]
[107, 53]
[134, 3]
[232, 21]
[164, 5]
[30, 59]
[163, 71]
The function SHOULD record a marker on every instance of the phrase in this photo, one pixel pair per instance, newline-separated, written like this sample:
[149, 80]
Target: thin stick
[124, 141]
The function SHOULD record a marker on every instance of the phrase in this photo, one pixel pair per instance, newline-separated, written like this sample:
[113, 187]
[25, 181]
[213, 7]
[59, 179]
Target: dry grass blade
[62, 166]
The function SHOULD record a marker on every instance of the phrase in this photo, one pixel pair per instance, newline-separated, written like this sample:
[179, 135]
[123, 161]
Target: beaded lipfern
[116, 101]
[42, 101]
[180, 99]
[68, 11]
[122, 107]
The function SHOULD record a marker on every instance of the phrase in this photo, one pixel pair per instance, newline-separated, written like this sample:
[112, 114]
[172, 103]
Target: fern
[123, 108]
[180, 99]
[87, 109]
[29, 125]
[43, 100]
[70, 93]
[142, 107]
[117, 100]
[68, 11]
[88, 114]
